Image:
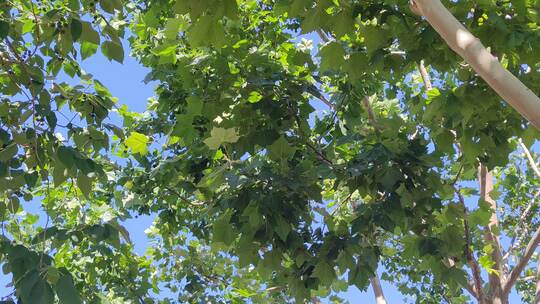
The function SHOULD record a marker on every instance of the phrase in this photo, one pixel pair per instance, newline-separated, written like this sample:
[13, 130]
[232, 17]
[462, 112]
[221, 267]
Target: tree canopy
[292, 148]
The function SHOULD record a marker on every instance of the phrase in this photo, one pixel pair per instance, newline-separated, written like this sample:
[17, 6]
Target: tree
[258, 196]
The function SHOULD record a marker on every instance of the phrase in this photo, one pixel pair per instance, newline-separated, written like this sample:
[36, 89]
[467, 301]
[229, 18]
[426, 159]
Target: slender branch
[377, 290]
[521, 231]
[315, 93]
[471, 289]
[475, 267]
[514, 275]
[181, 197]
[274, 289]
[326, 102]
[528, 278]
[324, 37]
[532, 162]
[459, 39]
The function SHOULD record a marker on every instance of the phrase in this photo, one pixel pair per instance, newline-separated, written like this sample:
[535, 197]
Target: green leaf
[137, 143]
[107, 5]
[282, 228]
[212, 180]
[218, 136]
[4, 29]
[85, 184]
[228, 8]
[223, 232]
[432, 94]
[113, 51]
[332, 57]
[88, 34]
[174, 26]
[66, 155]
[314, 20]
[205, 32]
[74, 5]
[324, 272]
[457, 275]
[35, 290]
[66, 291]
[281, 150]
[482, 215]
[76, 29]
[194, 106]
[8, 152]
[41, 293]
[486, 262]
[375, 38]
[53, 275]
[254, 97]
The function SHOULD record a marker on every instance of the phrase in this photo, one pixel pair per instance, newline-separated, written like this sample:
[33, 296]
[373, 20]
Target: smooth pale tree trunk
[377, 290]
[521, 98]
[495, 294]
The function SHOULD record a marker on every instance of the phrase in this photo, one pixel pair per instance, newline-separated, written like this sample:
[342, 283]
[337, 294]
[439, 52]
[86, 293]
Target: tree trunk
[509, 88]
[495, 294]
[377, 290]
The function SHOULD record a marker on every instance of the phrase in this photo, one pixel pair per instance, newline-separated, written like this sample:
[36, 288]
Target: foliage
[259, 196]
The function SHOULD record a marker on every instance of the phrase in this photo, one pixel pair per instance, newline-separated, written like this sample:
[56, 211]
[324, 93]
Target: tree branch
[514, 275]
[477, 277]
[520, 233]
[532, 162]
[377, 290]
[324, 37]
[459, 39]
[425, 75]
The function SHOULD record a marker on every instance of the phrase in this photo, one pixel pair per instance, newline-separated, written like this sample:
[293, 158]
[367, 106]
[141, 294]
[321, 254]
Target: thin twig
[521, 231]
[324, 37]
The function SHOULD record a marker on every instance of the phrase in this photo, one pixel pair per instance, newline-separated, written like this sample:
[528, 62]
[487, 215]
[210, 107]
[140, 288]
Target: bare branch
[477, 277]
[521, 229]
[514, 275]
[471, 289]
[324, 37]
[528, 278]
[532, 162]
